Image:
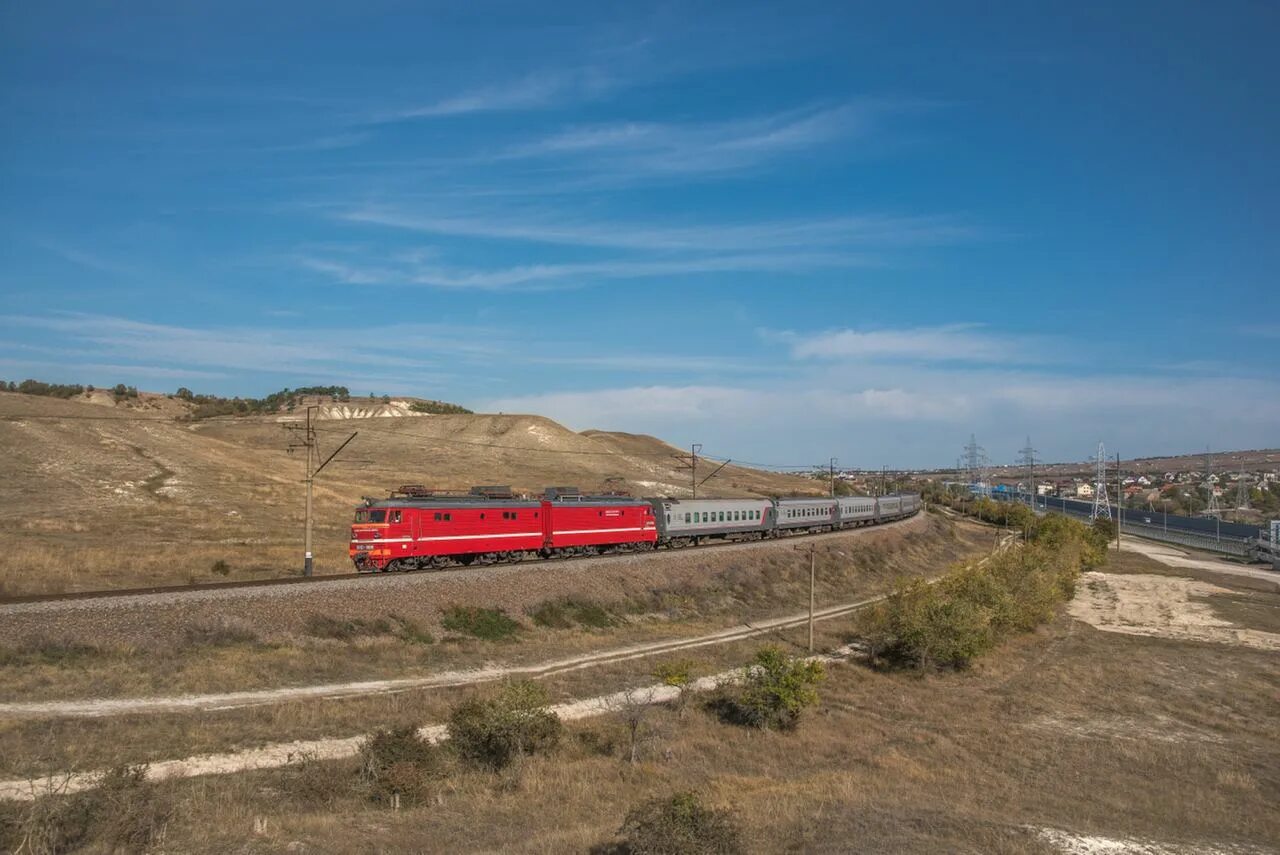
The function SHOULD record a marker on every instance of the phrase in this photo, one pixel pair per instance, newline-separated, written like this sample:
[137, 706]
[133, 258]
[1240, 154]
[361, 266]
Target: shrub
[313, 783]
[497, 729]
[488, 624]
[775, 690]
[220, 567]
[679, 824]
[925, 626]
[398, 766]
[123, 813]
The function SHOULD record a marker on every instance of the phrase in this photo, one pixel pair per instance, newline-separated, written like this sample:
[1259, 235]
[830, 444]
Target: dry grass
[168, 650]
[94, 503]
[887, 763]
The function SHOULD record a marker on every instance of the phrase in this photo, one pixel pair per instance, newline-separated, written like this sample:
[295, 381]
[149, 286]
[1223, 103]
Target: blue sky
[786, 233]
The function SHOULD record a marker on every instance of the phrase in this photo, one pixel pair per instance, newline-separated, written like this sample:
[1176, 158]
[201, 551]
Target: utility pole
[690, 462]
[308, 441]
[833, 477]
[1119, 503]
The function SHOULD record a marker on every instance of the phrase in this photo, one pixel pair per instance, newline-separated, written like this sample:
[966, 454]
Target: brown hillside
[93, 494]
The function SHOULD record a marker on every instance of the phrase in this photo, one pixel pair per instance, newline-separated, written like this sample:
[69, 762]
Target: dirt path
[283, 754]
[99, 707]
[1160, 606]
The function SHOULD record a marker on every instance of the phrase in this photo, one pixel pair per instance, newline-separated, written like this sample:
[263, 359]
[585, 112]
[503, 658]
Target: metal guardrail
[1239, 547]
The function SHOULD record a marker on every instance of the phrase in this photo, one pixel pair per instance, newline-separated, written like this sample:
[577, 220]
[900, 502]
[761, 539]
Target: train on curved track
[419, 529]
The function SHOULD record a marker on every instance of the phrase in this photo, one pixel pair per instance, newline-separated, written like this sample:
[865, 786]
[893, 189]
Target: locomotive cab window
[395, 516]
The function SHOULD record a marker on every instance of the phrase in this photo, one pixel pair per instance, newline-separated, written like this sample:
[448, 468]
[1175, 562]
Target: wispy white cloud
[704, 147]
[954, 342]
[420, 348]
[871, 231]
[531, 92]
[575, 275]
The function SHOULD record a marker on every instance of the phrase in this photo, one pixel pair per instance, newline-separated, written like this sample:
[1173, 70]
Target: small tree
[397, 765]
[677, 673]
[775, 690]
[632, 710]
[680, 824]
[494, 731]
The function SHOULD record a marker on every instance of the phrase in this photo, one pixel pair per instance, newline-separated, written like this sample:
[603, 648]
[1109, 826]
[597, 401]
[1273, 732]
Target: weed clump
[223, 632]
[775, 690]
[220, 568]
[345, 629]
[566, 612]
[495, 730]
[486, 624]
[679, 824]
[398, 766]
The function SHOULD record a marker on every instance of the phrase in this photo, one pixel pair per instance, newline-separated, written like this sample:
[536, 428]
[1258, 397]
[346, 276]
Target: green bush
[220, 567]
[948, 624]
[679, 824]
[488, 624]
[775, 689]
[495, 730]
[923, 626]
[398, 766]
[438, 408]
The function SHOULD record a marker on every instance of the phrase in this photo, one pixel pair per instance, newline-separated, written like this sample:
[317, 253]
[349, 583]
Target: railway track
[113, 593]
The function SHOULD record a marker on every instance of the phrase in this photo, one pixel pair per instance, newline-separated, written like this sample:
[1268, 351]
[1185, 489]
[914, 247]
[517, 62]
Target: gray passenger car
[683, 522]
[857, 510]
[807, 514]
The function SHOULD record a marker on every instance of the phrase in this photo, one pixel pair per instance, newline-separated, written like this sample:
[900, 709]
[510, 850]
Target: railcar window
[448, 517]
[438, 517]
[395, 516]
[704, 516]
[686, 518]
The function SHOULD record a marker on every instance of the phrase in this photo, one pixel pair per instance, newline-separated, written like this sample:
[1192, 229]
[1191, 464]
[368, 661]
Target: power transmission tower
[1028, 460]
[975, 460]
[1101, 503]
[1213, 509]
[1242, 492]
[304, 436]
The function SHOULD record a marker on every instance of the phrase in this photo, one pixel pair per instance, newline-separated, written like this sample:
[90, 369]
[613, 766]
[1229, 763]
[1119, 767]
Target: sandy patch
[1160, 606]
[1088, 844]
[1157, 728]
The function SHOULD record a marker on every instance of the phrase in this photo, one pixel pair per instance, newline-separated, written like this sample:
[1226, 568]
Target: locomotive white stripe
[600, 530]
[482, 536]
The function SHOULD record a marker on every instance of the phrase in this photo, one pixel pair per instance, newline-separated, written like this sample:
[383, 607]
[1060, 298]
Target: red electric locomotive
[416, 528]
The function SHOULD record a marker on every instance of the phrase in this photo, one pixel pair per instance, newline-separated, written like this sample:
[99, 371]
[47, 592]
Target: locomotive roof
[450, 501]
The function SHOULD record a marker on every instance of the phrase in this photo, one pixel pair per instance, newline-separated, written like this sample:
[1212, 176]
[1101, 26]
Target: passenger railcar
[688, 522]
[856, 510]
[807, 514]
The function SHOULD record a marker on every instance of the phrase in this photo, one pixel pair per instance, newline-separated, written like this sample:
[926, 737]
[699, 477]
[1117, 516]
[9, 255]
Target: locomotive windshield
[364, 515]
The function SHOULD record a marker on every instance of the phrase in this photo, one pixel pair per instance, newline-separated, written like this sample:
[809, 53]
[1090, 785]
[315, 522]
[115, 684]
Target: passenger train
[418, 529]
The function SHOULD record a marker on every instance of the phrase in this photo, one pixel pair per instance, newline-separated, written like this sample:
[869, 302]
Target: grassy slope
[88, 502]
